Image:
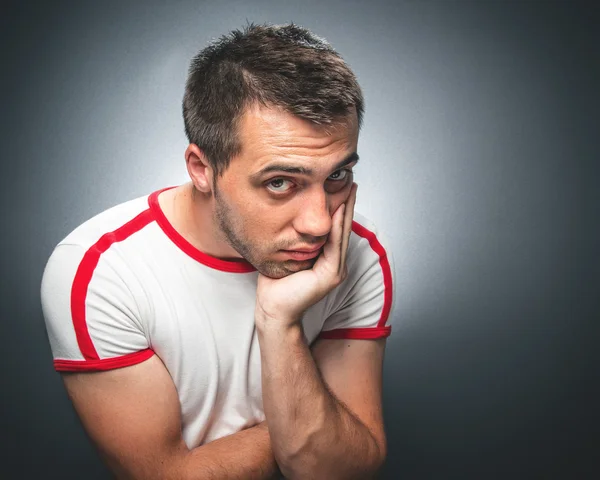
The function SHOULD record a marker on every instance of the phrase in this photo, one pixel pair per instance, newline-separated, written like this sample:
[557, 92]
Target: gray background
[479, 159]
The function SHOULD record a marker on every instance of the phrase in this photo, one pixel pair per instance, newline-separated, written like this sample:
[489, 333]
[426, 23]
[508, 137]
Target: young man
[234, 327]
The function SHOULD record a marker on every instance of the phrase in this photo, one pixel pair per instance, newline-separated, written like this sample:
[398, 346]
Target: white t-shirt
[125, 285]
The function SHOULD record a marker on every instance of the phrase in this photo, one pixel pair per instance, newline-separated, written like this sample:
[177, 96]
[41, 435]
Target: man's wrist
[268, 322]
[278, 328]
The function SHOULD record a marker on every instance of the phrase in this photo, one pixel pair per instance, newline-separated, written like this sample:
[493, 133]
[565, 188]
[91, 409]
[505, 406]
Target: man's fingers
[347, 226]
[334, 252]
[331, 251]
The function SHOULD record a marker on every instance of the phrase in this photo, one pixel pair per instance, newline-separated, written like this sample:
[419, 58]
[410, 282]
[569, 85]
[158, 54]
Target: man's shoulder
[113, 223]
[360, 305]
[94, 250]
[367, 236]
[368, 249]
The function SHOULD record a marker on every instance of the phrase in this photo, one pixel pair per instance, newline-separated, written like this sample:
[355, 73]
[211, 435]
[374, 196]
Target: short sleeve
[363, 302]
[92, 318]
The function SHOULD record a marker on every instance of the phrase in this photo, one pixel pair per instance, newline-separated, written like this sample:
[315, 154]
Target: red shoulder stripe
[385, 268]
[379, 331]
[84, 275]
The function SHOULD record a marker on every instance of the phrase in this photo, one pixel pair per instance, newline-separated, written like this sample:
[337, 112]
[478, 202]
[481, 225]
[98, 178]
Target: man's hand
[284, 300]
[312, 433]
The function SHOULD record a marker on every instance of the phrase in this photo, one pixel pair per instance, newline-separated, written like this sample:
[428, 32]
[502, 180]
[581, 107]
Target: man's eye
[339, 180]
[339, 175]
[279, 185]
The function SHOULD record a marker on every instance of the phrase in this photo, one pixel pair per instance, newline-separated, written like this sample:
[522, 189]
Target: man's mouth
[304, 253]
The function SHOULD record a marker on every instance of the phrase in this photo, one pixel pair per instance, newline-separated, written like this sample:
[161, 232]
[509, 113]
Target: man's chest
[202, 328]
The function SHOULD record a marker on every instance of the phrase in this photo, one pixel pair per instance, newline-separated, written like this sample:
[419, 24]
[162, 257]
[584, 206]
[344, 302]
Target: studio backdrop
[479, 155]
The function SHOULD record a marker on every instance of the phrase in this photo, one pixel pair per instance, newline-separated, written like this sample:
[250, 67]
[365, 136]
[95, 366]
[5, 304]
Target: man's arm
[133, 416]
[314, 434]
[324, 414]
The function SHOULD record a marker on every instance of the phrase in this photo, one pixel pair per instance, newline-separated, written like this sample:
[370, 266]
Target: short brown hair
[285, 66]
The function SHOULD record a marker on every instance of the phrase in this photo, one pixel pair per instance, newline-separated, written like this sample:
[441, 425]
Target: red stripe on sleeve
[385, 268]
[357, 333]
[105, 364]
[84, 275]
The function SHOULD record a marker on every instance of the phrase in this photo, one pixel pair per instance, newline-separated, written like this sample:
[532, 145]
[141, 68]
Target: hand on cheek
[281, 302]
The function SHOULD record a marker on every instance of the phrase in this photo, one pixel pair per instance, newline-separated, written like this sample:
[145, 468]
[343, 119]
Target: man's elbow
[296, 461]
[381, 450]
[328, 470]
[381, 455]
[318, 462]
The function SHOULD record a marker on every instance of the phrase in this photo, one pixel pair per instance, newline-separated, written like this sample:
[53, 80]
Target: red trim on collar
[187, 247]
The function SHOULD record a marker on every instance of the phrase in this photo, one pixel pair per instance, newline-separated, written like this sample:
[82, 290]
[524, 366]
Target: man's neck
[191, 214]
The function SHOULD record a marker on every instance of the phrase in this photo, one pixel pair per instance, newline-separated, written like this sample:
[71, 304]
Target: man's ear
[199, 169]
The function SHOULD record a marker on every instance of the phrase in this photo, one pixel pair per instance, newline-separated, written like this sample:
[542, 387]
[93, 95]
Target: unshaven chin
[232, 232]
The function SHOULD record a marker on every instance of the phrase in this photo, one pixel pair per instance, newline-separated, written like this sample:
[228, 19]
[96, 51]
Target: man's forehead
[268, 134]
[262, 122]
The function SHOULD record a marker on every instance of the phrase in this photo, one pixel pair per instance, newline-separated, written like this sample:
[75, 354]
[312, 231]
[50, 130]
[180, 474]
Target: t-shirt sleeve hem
[103, 364]
[357, 333]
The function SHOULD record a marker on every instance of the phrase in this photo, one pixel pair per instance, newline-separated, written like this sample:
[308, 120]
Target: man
[234, 327]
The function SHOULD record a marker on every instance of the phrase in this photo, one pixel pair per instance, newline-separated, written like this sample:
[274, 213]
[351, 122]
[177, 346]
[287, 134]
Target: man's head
[272, 114]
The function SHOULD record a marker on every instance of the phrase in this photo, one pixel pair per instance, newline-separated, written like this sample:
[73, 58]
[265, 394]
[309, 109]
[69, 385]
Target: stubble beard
[232, 232]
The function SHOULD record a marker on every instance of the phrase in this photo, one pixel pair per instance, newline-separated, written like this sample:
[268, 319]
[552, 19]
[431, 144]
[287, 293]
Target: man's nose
[314, 217]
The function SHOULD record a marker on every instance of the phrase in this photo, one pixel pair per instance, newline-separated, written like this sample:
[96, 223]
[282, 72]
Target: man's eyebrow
[353, 157]
[282, 167]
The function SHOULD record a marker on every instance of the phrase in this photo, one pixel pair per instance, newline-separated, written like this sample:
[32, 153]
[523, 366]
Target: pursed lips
[306, 249]
[304, 253]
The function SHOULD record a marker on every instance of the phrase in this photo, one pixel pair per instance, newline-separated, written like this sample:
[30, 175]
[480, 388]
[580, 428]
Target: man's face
[275, 201]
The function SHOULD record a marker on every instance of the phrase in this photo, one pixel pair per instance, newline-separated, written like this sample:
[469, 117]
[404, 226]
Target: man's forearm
[245, 455]
[312, 434]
